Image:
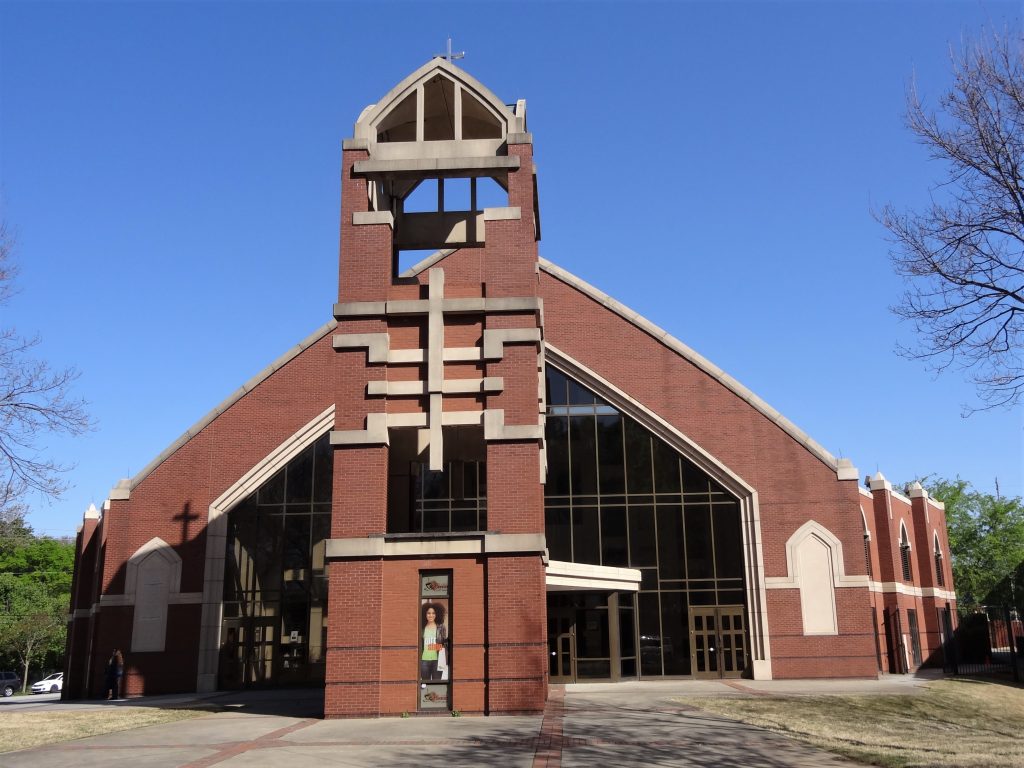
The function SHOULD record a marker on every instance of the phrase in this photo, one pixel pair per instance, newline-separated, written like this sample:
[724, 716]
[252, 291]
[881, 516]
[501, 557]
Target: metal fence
[989, 641]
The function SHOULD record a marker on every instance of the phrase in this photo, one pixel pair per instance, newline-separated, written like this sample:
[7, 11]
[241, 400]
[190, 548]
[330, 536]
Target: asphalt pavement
[622, 724]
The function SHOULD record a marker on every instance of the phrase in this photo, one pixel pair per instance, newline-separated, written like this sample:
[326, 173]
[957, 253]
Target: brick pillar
[516, 635]
[355, 598]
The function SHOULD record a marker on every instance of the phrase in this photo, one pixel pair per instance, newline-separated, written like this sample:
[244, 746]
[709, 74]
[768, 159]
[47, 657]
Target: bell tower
[439, 456]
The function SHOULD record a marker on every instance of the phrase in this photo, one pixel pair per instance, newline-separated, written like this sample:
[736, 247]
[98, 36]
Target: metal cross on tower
[448, 53]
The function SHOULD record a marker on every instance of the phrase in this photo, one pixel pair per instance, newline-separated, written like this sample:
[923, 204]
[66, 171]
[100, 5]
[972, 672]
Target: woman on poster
[435, 636]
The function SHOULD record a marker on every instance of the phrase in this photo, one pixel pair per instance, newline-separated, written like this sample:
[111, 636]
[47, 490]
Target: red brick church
[485, 475]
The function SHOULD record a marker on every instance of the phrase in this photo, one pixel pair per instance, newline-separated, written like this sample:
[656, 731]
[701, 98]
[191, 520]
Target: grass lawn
[22, 730]
[950, 723]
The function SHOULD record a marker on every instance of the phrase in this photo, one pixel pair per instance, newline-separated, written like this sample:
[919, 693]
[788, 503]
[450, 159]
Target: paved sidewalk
[623, 724]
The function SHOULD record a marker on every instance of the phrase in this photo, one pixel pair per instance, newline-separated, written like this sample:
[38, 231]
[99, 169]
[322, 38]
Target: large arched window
[275, 578]
[617, 495]
[940, 576]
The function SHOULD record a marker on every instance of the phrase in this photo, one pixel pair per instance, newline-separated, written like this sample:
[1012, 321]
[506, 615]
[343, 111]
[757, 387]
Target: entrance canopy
[561, 576]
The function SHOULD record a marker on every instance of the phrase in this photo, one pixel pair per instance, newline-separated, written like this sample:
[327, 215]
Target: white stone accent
[510, 213]
[495, 340]
[496, 429]
[846, 471]
[879, 483]
[373, 217]
[469, 544]
[377, 344]
[792, 579]
[376, 432]
[561, 576]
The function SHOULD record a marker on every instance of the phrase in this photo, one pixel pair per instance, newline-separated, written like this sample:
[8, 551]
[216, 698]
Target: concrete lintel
[560, 576]
[513, 304]
[408, 307]
[461, 418]
[507, 213]
[495, 340]
[373, 217]
[436, 165]
[468, 386]
[463, 305]
[470, 544]
[377, 344]
[406, 356]
[395, 388]
[515, 542]
[376, 432]
[461, 354]
[519, 138]
[365, 547]
[406, 419]
[359, 309]
[355, 144]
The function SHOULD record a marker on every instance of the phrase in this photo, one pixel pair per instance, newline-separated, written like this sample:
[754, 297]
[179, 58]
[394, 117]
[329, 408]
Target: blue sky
[171, 172]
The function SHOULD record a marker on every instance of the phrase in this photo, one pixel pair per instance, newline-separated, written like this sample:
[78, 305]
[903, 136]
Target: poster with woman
[435, 640]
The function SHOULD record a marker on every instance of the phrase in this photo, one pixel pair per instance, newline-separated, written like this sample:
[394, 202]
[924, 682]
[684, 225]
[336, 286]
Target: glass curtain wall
[617, 495]
[275, 580]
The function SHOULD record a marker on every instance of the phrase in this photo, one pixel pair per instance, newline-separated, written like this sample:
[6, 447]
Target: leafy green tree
[35, 595]
[986, 537]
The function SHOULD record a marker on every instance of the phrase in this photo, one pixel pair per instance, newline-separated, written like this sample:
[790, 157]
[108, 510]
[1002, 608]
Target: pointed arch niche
[814, 564]
[152, 582]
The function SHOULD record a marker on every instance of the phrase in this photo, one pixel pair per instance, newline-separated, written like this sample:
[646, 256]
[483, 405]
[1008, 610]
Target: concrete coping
[701, 362]
[230, 400]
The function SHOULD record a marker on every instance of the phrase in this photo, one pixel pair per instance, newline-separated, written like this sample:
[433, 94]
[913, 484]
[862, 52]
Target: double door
[718, 646]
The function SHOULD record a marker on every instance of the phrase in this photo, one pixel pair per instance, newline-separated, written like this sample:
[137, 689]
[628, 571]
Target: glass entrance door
[717, 641]
[562, 645]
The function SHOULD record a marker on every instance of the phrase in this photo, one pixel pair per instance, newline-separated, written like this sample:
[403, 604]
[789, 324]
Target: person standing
[115, 672]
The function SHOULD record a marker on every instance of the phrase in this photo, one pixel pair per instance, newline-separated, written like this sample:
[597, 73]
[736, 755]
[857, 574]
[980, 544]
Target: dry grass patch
[950, 723]
[24, 730]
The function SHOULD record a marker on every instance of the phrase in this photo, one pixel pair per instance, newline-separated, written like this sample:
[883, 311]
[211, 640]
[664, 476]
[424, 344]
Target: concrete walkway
[623, 724]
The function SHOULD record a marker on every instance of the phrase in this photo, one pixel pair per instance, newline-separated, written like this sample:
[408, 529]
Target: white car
[50, 684]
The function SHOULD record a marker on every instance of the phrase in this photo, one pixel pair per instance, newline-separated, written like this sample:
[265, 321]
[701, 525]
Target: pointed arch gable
[747, 496]
[372, 116]
[216, 538]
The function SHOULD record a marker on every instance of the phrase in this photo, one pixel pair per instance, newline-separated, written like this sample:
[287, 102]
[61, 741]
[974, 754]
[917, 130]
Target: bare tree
[34, 400]
[963, 257]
